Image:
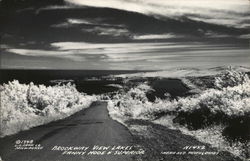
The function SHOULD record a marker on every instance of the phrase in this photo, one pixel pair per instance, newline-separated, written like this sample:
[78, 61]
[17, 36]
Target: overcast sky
[128, 34]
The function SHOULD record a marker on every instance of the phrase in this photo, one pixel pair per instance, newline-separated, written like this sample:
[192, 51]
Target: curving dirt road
[88, 127]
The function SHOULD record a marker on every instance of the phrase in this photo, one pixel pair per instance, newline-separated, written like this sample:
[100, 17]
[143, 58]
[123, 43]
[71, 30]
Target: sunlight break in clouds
[223, 12]
[154, 36]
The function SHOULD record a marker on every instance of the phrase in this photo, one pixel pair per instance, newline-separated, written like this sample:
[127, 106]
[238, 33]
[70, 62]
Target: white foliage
[231, 78]
[25, 106]
[232, 98]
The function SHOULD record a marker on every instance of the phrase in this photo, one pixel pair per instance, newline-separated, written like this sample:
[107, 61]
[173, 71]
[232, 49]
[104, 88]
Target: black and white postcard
[124, 80]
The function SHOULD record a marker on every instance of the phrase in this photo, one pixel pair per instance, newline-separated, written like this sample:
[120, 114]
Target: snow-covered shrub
[24, 106]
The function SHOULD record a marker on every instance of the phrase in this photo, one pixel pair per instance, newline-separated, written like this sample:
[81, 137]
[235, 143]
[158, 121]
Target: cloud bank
[233, 13]
[143, 55]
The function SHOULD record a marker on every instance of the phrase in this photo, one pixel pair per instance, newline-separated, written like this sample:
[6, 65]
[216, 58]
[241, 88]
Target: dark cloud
[134, 34]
